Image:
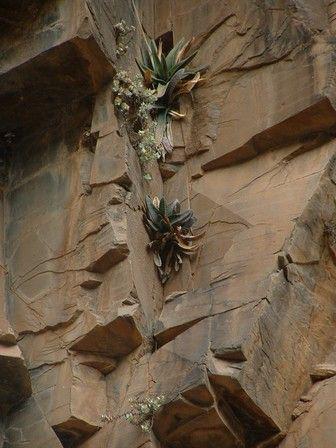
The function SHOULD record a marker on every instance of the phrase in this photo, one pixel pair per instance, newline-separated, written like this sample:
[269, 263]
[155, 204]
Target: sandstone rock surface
[242, 342]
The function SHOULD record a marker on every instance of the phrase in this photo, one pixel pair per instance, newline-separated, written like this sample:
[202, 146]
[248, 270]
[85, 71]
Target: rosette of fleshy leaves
[142, 412]
[171, 78]
[170, 231]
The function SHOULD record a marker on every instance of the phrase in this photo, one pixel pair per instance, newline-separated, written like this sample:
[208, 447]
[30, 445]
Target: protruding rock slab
[114, 336]
[15, 382]
[315, 427]
[72, 396]
[7, 335]
[53, 62]
[103, 250]
[186, 309]
[28, 427]
[104, 364]
[117, 338]
[323, 371]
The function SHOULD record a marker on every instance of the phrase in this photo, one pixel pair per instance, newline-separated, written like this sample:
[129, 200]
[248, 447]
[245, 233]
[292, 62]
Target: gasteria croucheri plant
[149, 101]
[170, 233]
[170, 78]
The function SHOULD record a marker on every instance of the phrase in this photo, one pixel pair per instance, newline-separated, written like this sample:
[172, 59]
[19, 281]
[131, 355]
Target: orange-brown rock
[241, 342]
[15, 383]
[315, 426]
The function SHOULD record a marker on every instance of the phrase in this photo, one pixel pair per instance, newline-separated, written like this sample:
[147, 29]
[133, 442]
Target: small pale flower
[117, 101]
[124, 106]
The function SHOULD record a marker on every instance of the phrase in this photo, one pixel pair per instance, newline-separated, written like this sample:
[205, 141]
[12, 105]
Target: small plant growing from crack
[142, 412]
[123, 36]
[134, 103]
[170, 231]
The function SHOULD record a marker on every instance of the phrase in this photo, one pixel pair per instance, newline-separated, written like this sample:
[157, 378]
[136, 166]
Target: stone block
[117, 337]
[28, 427]
[315, 427]
[110, 160]
[72, 397]
[15, 382]
[97, 207]
[7, 335]
[113, 336]
[104, 364]
[102, 250]
[323, 371]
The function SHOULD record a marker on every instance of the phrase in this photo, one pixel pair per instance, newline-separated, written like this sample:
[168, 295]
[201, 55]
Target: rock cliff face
[242, 342]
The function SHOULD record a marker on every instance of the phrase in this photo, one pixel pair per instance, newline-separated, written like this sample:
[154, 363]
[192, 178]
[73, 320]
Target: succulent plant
[143, 410]
[134, 103]
[170, 233]
[157, 68]
[171, 79]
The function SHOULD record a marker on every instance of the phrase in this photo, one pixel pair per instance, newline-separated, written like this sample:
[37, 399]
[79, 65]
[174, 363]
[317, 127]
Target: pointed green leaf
[171, 208]
[145, 57]
[157, 259]
[172, 55]
[182, 64]
[189, 223]
[180, 218]
[141, 66]
[152, 225]
[172, 85]
[156, 62]
[153, 213]
[161, 90]
[162, 207]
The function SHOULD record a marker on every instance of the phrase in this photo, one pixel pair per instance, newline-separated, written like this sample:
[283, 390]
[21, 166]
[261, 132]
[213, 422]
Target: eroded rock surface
[241, 343]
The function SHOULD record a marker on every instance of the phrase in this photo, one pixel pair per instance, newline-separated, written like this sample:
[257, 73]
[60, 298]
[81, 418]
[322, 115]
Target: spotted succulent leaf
[170, 232]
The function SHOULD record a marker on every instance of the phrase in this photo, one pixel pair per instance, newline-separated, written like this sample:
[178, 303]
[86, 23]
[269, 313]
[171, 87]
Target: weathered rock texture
[241, 342]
